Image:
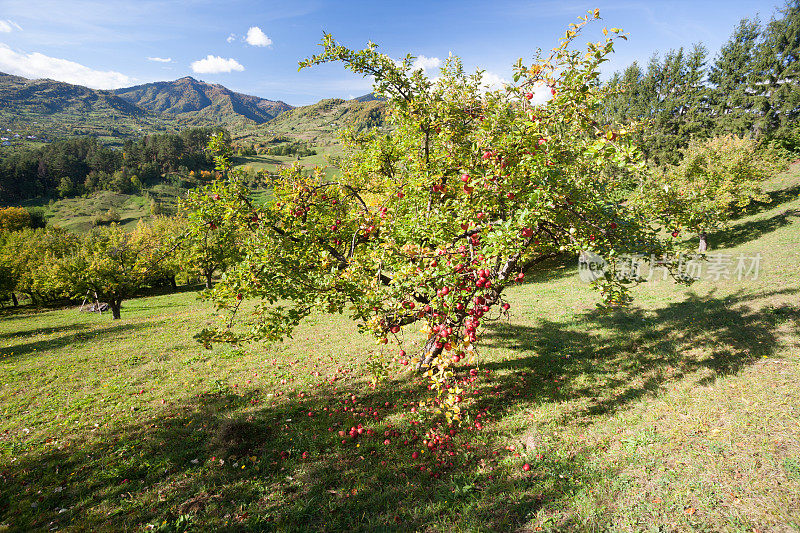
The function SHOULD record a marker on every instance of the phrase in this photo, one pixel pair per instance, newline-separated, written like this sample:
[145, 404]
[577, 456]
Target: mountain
[49, 96]
[369, 98]
[51, 108]
[48, 109]
[197, 101]
[317, 123]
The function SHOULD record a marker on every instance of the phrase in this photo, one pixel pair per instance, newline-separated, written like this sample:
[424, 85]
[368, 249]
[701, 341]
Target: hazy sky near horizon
[253, 46]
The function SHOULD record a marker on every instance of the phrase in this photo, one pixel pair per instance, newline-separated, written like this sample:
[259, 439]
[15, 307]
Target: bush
[14, 219]
[109, 217]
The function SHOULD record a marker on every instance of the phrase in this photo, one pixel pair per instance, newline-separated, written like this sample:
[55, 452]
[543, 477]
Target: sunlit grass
[679, 414]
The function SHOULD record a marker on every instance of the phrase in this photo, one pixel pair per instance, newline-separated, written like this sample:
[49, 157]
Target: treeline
[83, 165]
[296, 148]
[750, 89]
[51, 265]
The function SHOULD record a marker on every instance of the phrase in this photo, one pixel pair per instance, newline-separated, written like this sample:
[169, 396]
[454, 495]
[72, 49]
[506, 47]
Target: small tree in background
[211, 244]
[14, 219]
[714, 179]
[115, 264]
[30, 260]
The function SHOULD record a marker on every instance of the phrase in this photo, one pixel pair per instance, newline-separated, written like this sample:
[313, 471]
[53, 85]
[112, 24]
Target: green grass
[76, 214]
[679, 414]
[271, 163]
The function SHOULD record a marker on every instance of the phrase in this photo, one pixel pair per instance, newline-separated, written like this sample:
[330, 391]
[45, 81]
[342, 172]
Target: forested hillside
[83, 165]
[47, 109]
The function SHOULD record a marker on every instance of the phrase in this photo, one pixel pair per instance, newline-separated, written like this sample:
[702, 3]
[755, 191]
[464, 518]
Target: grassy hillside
[679, 414]
[317, 124]
[271, 163]
[77, 213]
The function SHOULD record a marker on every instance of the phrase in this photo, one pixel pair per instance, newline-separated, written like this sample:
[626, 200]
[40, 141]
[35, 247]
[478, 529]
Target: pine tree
[733, 97]
[778, 73]
[676, 95]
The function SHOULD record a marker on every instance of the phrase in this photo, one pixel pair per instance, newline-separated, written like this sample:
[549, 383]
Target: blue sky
[254, 46]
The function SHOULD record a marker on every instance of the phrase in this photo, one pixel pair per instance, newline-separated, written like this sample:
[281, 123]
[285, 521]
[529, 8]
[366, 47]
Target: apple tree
[115, 264]
[14, 219]
[430, 223]
[714, 179]
[29, 263]
[210, 244]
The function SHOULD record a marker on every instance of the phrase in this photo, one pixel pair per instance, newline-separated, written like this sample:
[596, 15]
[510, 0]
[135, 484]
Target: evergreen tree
[732, 97]
[777, 92]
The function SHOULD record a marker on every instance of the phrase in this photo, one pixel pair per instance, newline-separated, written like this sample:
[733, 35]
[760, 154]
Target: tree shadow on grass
[42, 331]
[230, 462]
[77, 339]
[24, 311]
[749, 231]
[234, 460]
[609, 359]
[777, 197]
[553, 269]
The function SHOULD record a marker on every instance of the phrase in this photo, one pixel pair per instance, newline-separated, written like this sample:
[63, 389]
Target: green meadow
[680, 413]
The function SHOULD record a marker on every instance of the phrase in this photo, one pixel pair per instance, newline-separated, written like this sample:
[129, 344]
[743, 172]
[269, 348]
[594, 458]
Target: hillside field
[681, 413]
[77, 213]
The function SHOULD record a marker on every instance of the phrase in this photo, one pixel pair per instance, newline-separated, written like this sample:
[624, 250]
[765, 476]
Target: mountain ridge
[45, 108]
[54, 108]
[190, 99]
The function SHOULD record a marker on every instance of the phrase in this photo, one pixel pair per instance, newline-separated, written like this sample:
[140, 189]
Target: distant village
[10, 138]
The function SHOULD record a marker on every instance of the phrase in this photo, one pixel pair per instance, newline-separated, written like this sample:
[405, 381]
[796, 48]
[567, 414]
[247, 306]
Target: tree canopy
[429, 224]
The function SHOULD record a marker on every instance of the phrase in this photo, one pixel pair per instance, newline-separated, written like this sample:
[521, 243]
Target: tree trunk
[115, 304]
[14, 299]
[208, 280]
[429, 353]
[173, 283]
[703, 242]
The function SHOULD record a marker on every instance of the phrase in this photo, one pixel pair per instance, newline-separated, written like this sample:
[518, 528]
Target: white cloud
[160, 59]
[256, 37]
[541, 94]
[231, 38]
[492, 81]
[215, 65]
[426, 63]
[36, 65]
[7, 26]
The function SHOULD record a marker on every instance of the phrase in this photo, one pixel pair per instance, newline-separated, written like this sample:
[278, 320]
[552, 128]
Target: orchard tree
[115, 264]
[30, 259]
[714, 179]
[210, 243]
[430, 223]
[14, 219]
[8, 275]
